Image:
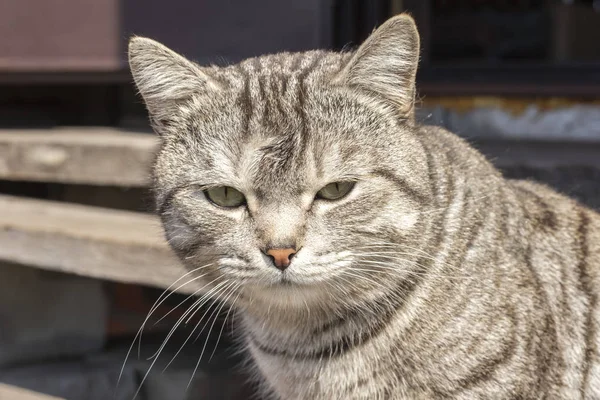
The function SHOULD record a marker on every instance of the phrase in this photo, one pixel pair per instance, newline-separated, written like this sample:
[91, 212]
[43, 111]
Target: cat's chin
[283, 282]
[289, 292]
[294, 283]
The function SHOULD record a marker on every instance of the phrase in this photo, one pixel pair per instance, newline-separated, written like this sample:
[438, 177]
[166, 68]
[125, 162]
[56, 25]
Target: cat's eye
[225, 196]
[335, 190]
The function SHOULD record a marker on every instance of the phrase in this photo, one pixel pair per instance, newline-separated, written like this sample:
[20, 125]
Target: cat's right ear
[164, 78]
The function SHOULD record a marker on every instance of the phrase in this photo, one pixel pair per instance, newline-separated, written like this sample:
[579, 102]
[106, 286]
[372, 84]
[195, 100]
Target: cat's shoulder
[543, 196]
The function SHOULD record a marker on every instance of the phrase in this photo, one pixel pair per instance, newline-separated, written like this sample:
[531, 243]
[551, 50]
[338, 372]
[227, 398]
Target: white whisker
[161, 299]
[225, 321]
[157, 354]
[207, 299]
[207, 338]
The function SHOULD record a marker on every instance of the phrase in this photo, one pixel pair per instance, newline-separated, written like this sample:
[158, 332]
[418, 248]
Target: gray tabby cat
[368, 257]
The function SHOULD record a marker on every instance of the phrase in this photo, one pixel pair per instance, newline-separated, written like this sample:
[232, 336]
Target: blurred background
[82, 258]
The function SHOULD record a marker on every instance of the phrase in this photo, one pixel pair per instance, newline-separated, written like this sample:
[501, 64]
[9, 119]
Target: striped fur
[434, 278]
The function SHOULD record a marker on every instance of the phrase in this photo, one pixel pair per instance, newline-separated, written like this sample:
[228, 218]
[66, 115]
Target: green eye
[335, 190]
[225, 196]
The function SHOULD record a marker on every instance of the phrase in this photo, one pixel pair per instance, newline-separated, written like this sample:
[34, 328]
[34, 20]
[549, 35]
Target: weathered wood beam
[89, 241]
[96, 156]
[8, 392]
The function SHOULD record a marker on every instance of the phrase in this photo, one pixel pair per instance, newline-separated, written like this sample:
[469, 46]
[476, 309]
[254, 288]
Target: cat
[367, 256]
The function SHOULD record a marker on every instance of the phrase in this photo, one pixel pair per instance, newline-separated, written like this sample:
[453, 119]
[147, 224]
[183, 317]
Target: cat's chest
[350, 376]
[335, 360]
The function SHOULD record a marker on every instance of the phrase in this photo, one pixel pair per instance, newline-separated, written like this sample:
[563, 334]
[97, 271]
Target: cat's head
[293, 177]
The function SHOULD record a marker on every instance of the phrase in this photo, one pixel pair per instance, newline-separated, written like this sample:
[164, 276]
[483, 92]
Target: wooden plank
[97, 156]
[90, 241]
[8, 392]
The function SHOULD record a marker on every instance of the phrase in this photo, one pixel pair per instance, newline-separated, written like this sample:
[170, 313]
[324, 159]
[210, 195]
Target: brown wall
[64, 35]
[91, 35]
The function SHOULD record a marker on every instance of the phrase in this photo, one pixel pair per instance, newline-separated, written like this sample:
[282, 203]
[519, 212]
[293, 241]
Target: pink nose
[281, 257]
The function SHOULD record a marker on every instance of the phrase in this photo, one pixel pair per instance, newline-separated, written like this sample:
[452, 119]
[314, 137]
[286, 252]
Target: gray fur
[434, 278]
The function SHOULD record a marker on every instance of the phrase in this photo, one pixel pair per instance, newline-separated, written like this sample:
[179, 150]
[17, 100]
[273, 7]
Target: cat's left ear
[386, 64]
